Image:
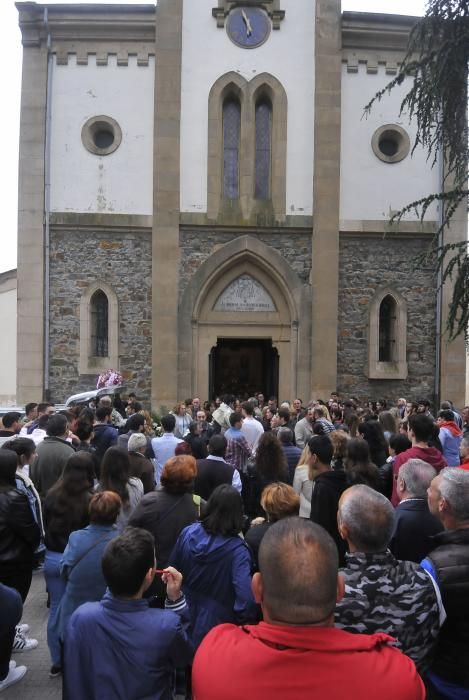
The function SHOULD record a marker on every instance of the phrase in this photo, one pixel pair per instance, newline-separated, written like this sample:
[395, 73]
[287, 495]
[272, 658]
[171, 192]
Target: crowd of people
[244, 548]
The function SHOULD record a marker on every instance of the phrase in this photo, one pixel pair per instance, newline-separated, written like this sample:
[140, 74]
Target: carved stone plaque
[245, 294]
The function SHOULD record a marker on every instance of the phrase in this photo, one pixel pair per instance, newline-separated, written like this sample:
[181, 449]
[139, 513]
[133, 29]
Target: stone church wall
[366, 264]
[197, 245]
[122, 260]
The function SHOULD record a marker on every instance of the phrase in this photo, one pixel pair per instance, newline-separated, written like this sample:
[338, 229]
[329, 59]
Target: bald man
[296, 652]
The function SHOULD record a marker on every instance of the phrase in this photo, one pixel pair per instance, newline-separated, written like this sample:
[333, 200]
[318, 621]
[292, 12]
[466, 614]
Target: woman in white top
[115, 469]
[183, 420]
[302, 484]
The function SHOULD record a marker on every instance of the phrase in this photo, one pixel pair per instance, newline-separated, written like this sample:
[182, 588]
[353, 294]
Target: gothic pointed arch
[267, 201]
[202, 319]
[387, 341]
[99, 329]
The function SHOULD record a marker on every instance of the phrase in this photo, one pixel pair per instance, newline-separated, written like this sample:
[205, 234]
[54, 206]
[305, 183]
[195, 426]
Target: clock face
[248, 27]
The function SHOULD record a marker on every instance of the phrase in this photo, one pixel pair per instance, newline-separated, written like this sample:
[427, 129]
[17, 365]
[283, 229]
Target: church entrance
[243, 367]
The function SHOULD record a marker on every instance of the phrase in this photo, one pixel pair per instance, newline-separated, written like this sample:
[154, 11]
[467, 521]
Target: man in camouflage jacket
[383, 594]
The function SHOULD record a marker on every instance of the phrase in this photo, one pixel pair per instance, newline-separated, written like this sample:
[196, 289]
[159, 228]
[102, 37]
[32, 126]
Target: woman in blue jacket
[216, 565]
[80, 566]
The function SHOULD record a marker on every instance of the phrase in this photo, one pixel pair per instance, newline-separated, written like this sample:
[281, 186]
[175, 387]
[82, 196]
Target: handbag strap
[87, 551]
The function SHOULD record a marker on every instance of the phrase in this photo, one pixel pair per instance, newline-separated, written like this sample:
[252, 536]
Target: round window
[390, 143]
[101, 135]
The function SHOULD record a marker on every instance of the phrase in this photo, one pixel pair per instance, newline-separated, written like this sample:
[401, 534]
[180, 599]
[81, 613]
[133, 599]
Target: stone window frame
[403, 142]
[397, 367]
[89, 363]
[87, 135]
[248, 93]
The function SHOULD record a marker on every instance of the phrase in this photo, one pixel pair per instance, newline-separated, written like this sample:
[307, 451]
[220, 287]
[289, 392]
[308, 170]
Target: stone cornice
[90, 25]
[374, 39]
[8, 281]
[383, 229]
[101, 222]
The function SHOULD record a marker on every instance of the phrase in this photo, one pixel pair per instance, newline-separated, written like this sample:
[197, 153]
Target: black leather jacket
[19, 532]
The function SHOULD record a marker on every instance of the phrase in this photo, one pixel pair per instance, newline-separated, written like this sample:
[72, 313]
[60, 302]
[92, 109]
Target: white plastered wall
[370, 188]
[288, 55]
[121, 182]
[8, 345]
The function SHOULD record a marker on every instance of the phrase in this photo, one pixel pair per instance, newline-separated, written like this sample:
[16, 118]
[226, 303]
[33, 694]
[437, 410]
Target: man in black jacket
[328, 488]
[448, 563]
[213, 471]
[414, 525]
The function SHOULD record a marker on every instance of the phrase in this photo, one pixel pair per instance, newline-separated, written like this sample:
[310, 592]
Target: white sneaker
[22, 643]
[22, 629]
[14, 675]
[12, 664]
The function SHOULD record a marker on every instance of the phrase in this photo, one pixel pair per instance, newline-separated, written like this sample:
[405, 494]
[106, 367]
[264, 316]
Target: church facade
[204, 207]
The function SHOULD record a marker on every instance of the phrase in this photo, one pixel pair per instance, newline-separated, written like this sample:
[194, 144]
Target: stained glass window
[231, 136]
[263, 148]
[99, 324]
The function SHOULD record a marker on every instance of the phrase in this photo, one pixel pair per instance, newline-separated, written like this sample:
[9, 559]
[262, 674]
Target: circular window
[101, 135]
[390, 143]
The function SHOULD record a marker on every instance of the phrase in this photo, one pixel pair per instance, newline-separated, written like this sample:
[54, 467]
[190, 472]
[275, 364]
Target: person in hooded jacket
[216, 565]
[420, 432]
[450, 436]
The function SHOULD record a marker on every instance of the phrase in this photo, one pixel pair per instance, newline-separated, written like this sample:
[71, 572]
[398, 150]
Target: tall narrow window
[231, 137]
[263, 148]
[387, 330]
[99, 324]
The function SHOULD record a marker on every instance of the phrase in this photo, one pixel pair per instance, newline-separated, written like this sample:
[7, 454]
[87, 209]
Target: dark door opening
[243, 368]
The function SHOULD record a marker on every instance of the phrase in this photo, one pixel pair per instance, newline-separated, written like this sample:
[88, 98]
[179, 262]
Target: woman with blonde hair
[339, 439]
[279, 501]
[302, 484]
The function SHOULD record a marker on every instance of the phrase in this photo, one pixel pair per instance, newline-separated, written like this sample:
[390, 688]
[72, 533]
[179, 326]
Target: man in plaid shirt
[238, 450]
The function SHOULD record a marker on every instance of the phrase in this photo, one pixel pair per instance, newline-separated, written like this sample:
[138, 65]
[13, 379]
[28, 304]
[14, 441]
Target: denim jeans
[56, 587]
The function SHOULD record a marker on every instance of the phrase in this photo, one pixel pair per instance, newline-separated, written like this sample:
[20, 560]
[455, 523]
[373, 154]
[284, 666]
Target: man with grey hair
[140, 466]
[116, 419]
[383, 594]
[448, 563]
[414, 525]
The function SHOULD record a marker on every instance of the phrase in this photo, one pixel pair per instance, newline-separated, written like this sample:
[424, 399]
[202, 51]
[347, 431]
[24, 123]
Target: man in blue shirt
[164, 447]
[120, 648]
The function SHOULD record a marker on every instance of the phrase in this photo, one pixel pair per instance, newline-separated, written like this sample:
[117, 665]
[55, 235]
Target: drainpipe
[50, 59]
[439, 296]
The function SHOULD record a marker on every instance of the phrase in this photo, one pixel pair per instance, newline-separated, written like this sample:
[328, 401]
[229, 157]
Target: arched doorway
[242, 307]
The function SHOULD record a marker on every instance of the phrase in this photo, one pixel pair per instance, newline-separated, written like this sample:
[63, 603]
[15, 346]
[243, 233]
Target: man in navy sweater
[120, 648]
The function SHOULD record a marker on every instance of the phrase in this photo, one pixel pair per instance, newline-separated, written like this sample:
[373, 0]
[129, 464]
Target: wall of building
[370, 188]
[288, 55]
[121, 182]
[197, 245]
[8, 344]
[123, 261]
[367, 264]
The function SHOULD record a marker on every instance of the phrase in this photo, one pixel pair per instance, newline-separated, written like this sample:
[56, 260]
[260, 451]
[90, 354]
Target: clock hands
[247, 23]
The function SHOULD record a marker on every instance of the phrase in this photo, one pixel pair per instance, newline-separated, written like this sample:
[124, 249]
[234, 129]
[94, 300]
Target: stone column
[453, 354]
[30, 306]
[166, 198]
[326, 197]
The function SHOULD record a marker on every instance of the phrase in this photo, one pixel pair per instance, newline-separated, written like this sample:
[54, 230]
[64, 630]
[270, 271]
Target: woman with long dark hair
[19, 536]
[372, 432]
[115, 470]
[216, 565]
[65, 510]
[358, 466]
[270, 465]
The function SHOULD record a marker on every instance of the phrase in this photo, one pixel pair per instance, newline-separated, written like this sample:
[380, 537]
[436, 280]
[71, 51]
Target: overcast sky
[10, 73]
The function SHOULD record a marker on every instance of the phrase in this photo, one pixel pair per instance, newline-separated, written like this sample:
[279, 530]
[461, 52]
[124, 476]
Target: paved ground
[36, 685]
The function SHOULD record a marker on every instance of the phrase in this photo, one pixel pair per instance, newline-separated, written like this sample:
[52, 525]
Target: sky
[10, 76]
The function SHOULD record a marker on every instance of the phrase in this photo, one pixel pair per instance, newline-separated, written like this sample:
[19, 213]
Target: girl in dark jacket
[216, 565]
[270, 466]
[65, 510]
[358, 466]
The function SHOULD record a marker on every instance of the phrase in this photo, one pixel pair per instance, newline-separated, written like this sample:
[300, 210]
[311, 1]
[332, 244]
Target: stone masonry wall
[198, 244]
[123, 261]
[366, 264]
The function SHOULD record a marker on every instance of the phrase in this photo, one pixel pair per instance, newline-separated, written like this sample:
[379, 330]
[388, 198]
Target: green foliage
[437, 58]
